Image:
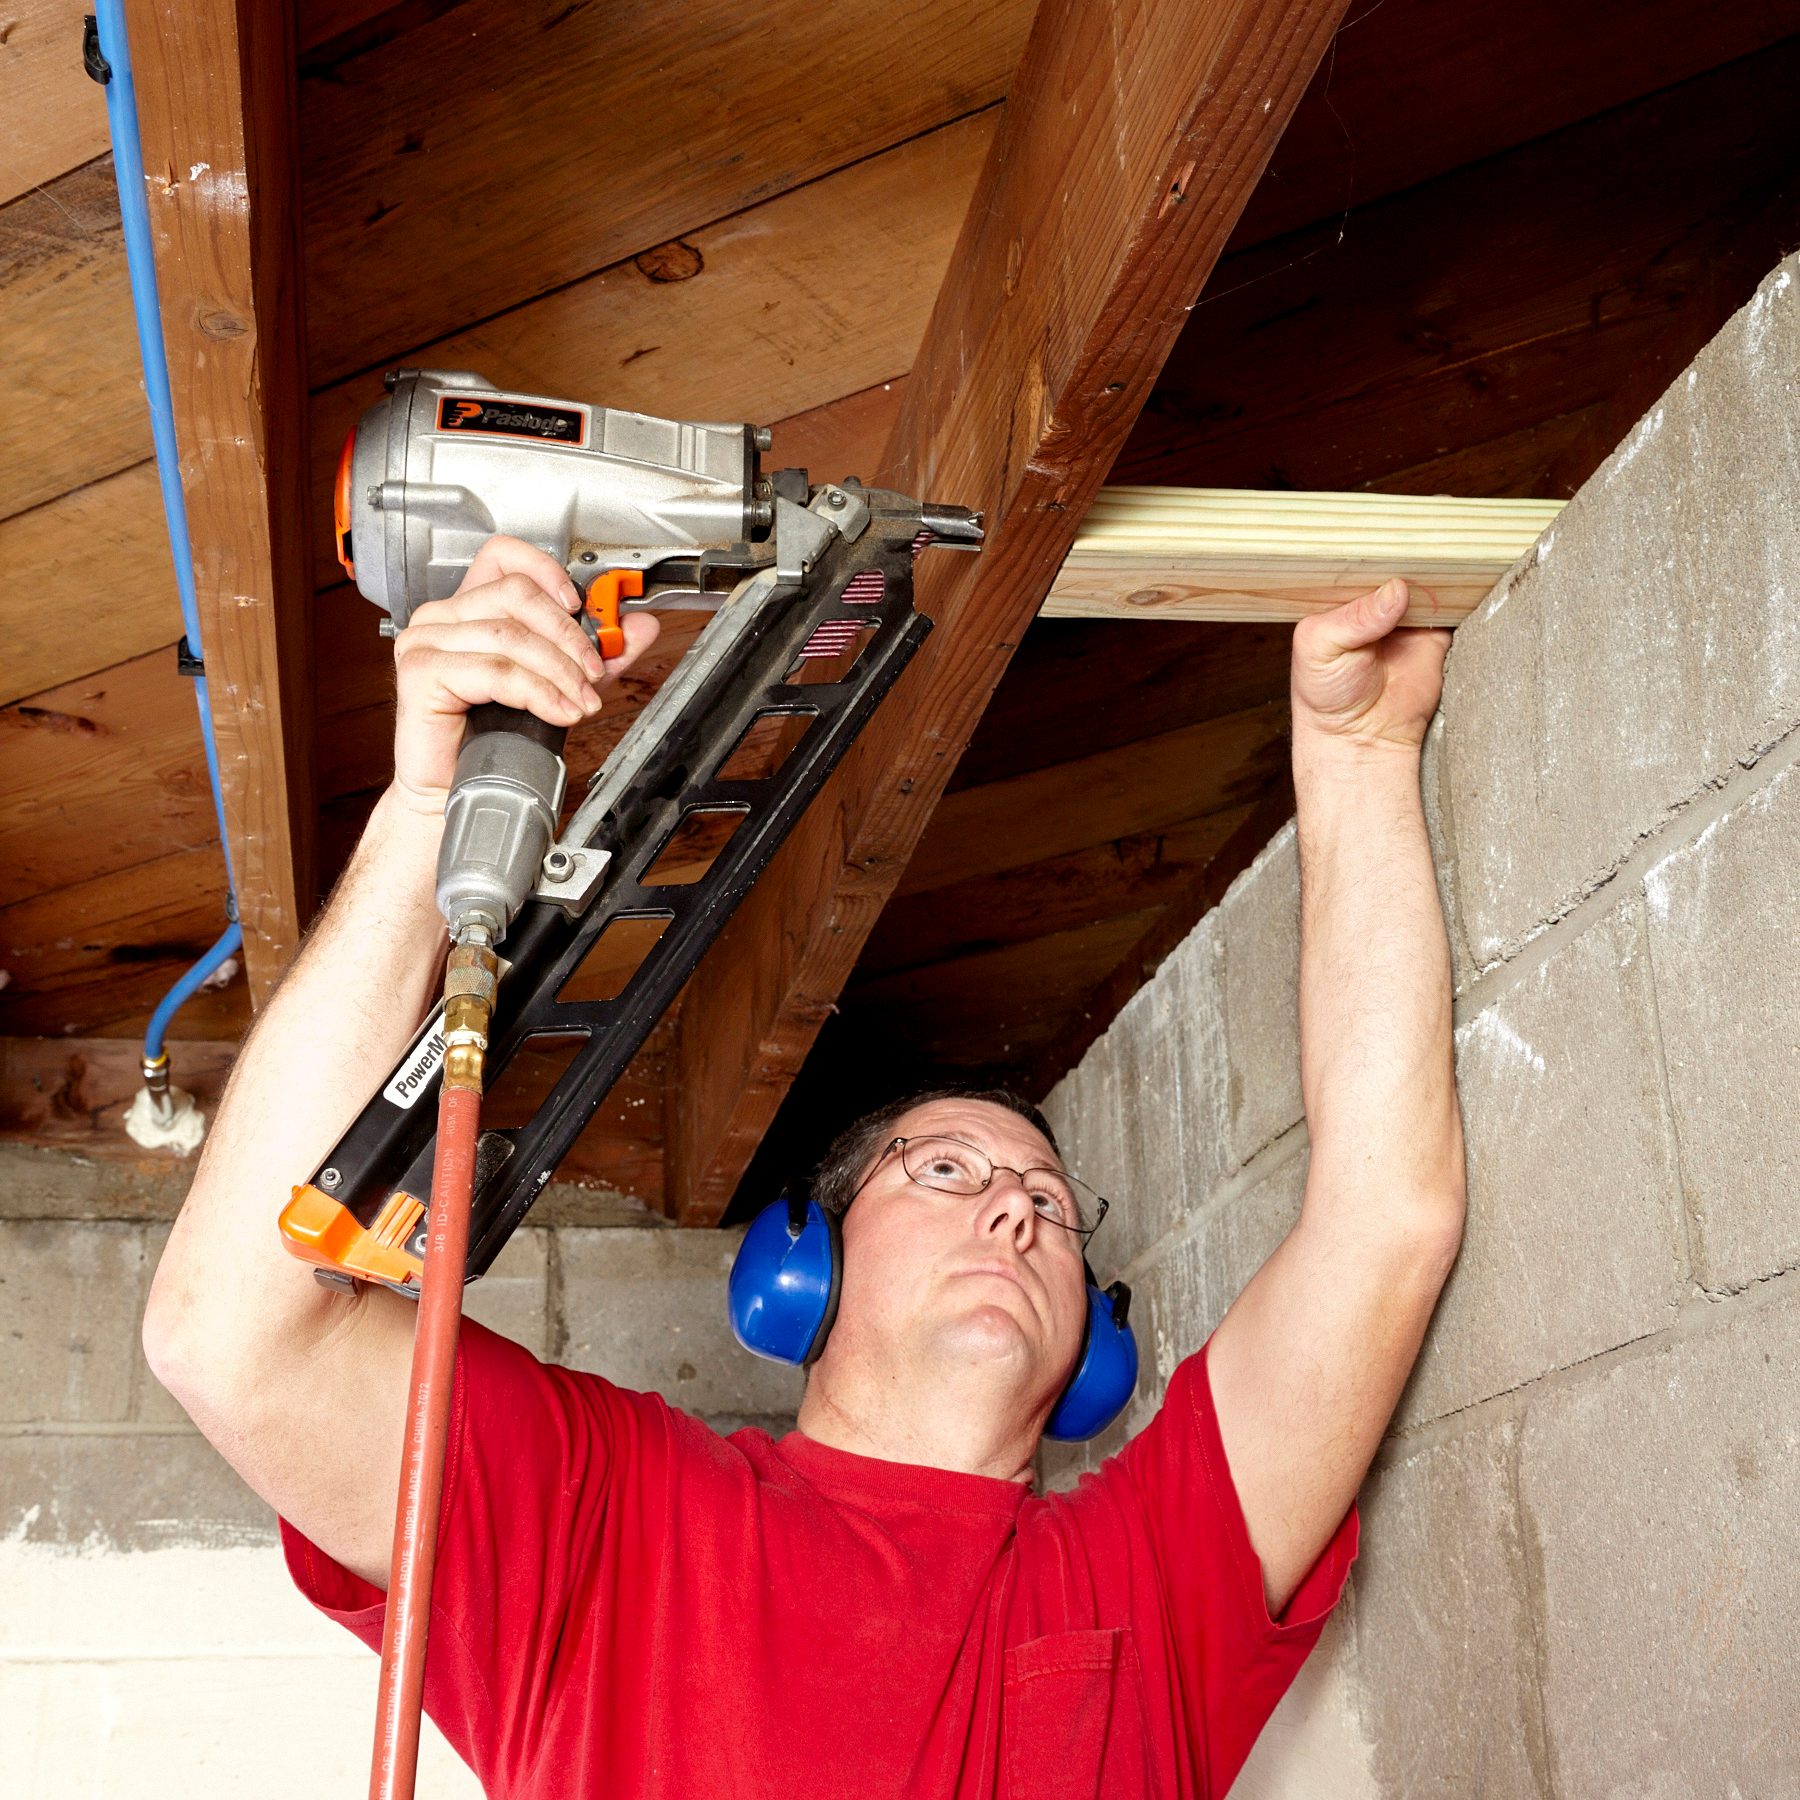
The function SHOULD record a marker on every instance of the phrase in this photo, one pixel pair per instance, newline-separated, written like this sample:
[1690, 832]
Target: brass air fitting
[470, 982]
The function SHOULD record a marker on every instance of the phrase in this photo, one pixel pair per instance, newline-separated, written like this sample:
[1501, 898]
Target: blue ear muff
[1106, 1375]
[783, 1297]
[784, 1283]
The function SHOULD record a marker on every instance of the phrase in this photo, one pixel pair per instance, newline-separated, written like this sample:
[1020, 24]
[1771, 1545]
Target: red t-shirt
[629, 1604]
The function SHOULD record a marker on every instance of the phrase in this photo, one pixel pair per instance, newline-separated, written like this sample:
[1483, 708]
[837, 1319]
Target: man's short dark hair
[838, 1175]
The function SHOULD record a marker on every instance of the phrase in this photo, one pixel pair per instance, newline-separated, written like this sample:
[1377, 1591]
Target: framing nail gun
[643, 513]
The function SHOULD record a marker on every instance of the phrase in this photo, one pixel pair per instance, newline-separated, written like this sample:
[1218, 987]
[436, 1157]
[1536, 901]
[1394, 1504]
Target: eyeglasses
[953, 1167]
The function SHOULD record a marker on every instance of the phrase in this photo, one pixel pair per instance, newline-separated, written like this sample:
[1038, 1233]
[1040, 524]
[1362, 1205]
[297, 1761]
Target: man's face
[974, 1279]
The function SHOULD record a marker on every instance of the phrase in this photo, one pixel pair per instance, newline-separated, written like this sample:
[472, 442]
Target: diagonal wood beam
[1133, 135]
[215, 87]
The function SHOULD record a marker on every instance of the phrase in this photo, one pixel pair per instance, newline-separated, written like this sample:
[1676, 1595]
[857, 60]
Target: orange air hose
[470, 979]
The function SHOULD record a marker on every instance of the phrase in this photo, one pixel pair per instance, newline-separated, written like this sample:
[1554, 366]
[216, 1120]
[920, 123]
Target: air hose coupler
[471, 979]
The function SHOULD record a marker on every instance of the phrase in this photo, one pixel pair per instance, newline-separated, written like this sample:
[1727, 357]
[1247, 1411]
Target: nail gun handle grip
[603, 596]
[494, 717]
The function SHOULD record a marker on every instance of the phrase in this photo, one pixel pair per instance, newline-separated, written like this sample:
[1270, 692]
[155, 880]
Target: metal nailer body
[444, 462]
[809, 588]
[500, 819]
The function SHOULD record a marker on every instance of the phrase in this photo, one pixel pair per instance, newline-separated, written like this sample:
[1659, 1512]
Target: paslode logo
[499, 417]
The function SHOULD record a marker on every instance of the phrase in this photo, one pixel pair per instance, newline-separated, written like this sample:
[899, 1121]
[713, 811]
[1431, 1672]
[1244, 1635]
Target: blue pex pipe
[231, 940]
[128, 168]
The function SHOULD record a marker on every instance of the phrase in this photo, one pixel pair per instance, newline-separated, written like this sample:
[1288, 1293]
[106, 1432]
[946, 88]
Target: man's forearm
[321, 1046]
[1376, 1066]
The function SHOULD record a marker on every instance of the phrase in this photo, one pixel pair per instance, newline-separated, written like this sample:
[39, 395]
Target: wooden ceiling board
[998, 1008]
[1081, 686]
[356, 661]
[1059, 893]
[95, 956]
[1583, 269]
[479, 142]
[52, 116]
[1145, 785]
[1551, 455]
[76, 409]
[329, 30]
[102, 774]
[788, 306]
[1096, 1010]
[90, 583]
[222, 1016]
[1414, 88]
[843, 437]
[621, 1146]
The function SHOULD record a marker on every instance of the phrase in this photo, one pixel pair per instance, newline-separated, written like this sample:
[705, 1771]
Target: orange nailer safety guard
[603, 598]
[322, 1231]
[340, 507]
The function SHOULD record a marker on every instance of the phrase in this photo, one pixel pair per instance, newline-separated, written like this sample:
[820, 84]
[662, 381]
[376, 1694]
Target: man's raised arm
[301, 1390]
[1308, 1363]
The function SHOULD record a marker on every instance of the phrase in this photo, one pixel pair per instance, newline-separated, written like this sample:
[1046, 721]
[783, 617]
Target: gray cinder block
[1259, 937]
[69, 1311]
[1573, 1242]
[646, 1309]
[1084, 1111]
[1724, 922]
[1196, 1021]
[1168, 1149]
[1314, 1746]
[512, 1298]
[1183, 1293]
[1647, 646]
[1658, 1496]
[1440, 833]
[1444, 1665]
[138, 1491]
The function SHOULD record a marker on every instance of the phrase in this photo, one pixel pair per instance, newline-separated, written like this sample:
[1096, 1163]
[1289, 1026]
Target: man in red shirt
[876, 1603]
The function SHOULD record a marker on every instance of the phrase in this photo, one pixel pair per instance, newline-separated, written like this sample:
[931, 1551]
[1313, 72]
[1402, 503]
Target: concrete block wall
[150, 1642]
[1578, 1562]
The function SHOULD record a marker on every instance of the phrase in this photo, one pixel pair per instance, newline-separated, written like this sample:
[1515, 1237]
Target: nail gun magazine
[810, 595]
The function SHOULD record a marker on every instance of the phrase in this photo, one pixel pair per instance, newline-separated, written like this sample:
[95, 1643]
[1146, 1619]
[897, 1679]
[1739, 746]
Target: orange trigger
[603, 598]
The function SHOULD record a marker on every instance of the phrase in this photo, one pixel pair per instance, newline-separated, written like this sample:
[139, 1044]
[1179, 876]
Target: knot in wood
[673, 261]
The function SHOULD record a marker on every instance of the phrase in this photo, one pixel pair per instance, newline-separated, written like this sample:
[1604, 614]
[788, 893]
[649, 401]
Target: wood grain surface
[215, 96]
[1131, 140]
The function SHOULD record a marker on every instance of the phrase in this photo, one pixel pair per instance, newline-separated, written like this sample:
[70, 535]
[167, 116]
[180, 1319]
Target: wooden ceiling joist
[215, 87]
[1243, 557]
[70, 1093]
[1133, 135]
